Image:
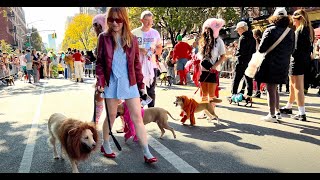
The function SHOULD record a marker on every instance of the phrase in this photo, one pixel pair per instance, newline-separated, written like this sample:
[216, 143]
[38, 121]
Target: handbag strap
[279, 40]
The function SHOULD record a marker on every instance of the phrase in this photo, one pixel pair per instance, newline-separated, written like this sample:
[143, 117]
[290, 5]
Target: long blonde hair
[302, 15]
[126, 36]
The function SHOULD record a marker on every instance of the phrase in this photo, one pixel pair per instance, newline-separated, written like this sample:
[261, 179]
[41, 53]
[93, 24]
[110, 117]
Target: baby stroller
[60, 69]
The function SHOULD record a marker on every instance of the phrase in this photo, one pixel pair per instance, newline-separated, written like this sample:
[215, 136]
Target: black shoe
[299, 117]
[257, 95]
[286, 111]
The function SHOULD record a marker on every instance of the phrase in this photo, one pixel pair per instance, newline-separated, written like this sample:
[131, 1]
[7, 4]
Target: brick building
[13, 26]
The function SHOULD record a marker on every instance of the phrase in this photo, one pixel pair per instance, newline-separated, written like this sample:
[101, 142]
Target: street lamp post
[31, 31]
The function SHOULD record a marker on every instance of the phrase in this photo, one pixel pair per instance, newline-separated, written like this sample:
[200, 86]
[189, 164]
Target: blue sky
[52, 18]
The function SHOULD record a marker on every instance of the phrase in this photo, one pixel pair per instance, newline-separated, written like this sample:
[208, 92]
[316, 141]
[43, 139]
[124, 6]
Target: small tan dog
[154, 114]
[190, 106]
[78, 139]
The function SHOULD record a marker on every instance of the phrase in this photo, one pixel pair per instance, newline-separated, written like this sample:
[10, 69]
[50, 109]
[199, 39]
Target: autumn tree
[80, 34]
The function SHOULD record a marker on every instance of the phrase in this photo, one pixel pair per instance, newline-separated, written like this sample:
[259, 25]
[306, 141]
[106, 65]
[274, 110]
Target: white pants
[78, 69]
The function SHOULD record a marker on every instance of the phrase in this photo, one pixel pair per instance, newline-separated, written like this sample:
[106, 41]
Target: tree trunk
[172, 37]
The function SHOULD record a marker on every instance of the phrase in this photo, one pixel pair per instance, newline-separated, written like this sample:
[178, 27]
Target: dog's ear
[94, 132]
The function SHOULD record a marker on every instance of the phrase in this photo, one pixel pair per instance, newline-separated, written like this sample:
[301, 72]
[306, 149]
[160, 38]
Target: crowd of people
[32, 65]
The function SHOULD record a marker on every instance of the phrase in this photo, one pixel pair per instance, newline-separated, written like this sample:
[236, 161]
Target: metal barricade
[227, 68]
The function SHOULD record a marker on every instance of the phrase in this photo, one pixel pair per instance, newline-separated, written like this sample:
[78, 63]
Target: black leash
[108, 117]
[94, 107]
[200, 84]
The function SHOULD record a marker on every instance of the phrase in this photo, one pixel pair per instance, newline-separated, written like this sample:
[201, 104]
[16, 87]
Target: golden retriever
[78, 139]
[190, 106]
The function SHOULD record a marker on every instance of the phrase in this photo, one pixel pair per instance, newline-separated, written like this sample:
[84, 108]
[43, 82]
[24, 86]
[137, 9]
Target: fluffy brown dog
[153, 114]
[190, 106]
[78, 139]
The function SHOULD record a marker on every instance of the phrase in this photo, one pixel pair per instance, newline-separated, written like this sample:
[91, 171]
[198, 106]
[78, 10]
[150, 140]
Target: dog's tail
[215, 100]
[172, 117]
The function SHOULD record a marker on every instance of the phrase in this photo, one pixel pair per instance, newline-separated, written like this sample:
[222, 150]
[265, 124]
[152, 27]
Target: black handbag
[206, 63]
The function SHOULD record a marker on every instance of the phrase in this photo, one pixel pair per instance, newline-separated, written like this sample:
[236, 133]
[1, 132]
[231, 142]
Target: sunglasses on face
[117, 20]
[296, 14]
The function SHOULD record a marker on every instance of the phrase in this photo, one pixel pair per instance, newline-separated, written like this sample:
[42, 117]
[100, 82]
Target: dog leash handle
[109, 124]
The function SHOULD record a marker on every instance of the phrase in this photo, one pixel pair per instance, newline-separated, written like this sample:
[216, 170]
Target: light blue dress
[119, 86]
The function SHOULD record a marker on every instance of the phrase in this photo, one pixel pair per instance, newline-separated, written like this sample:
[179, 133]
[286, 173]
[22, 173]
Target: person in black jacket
[304, 37]
[274, 68]
[245, 49]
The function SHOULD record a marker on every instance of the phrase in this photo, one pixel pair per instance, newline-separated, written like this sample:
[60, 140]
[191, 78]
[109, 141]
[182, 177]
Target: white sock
[302, 110]
[271, 115]
[289, 105]
[107, 147]
[146, 152]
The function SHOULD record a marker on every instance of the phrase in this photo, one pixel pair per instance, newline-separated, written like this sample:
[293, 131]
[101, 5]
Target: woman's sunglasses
[117, 20]
[296, 16]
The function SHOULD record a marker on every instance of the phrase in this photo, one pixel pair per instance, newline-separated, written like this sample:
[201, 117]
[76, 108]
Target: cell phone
[146, 102]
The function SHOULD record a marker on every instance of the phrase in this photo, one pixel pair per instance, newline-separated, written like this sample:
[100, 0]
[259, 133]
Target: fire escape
[13, 29]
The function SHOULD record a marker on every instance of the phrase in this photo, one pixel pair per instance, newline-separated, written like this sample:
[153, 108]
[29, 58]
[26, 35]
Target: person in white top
[149, 45]
[23, 62]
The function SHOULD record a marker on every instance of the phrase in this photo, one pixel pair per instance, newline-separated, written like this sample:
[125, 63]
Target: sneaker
[269, 118]
[299, 117]
[202, 116]
[257, 95]
[285, 110]
[278, 116]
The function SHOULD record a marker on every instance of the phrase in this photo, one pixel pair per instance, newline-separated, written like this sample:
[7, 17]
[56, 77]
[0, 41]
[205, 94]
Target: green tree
[80, 34]
[173, 21]
[5, 47]
[36, 40]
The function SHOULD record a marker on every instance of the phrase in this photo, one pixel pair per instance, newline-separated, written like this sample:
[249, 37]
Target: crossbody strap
[279, 40]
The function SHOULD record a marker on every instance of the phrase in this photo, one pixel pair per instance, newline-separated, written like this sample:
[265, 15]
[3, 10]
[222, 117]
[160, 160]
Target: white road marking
[26, 161]
[170, 156]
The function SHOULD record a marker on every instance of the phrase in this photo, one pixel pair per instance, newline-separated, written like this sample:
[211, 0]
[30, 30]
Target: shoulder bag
[257, 57]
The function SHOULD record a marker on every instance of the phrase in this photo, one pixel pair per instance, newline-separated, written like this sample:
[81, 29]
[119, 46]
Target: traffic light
[54, 35]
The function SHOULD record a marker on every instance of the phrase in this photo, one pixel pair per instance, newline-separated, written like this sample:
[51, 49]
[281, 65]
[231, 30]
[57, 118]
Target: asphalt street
[242, 143]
